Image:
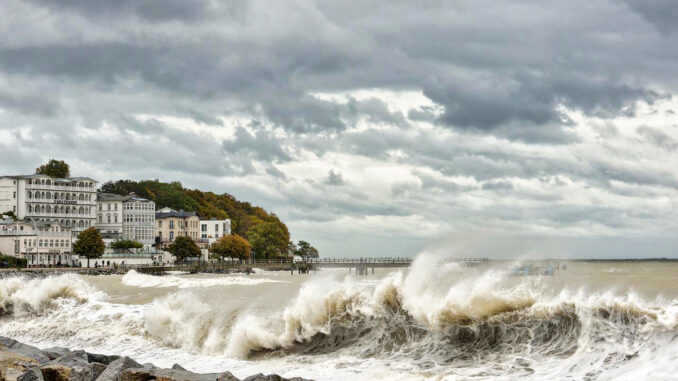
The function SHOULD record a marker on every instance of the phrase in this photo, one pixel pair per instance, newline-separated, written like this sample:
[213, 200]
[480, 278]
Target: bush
[126, 244]
[10, 261]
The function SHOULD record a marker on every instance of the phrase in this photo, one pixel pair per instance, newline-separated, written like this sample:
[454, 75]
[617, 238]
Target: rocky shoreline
[22, 362]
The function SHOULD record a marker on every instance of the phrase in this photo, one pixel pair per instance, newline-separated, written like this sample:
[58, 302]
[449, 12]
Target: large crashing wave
[431, 316]
[21, 296]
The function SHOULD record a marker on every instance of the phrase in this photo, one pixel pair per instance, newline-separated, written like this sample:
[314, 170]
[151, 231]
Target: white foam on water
[433, 321]
[136, 279]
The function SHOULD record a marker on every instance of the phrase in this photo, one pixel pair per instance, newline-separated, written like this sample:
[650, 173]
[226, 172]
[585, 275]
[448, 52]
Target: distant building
[170, 224]
[211, 230]
[138, 221]
[126, 217]
[109, 216]
[71, 202]
[42, 243]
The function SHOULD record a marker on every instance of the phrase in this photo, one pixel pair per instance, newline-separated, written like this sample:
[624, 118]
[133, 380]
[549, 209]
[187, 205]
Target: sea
[436, 320]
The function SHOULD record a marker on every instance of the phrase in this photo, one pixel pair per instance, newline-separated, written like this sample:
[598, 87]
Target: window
[216, 227]
[14, 194]
[109, 206]
[159, 223]
[171, 224]
[115, 206]
[203, 228]
[108, 217]
[100, 207]
[115, 217]
[171, 236]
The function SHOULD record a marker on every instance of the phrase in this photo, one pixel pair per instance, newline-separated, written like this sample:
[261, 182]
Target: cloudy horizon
[500, 129]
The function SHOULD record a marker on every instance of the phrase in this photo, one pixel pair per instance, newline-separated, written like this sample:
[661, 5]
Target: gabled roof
[110, 197]
[174, 213]
[58, 179]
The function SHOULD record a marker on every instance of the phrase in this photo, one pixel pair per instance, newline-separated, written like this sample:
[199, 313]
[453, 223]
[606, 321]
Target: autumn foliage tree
[268, 240]
[184, 247]
[89, 244]
[54, 168]
[231, 246]
[306, 251]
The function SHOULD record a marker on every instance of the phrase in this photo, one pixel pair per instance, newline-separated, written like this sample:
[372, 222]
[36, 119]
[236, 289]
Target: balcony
[60, 202]
[73, 188]
[59, 215]
[37, 233]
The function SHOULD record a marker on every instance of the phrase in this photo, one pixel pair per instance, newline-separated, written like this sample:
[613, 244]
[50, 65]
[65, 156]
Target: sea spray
[20, 295]
[435, 319]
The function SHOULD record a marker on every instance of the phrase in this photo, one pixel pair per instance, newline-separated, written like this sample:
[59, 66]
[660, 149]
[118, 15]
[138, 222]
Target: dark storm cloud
[148, 88]
[334, 178]
[150, 10]
[260, 144]
[661, 13]
[476, 63]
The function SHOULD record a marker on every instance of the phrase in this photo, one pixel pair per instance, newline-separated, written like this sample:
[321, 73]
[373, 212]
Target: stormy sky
[494, 128]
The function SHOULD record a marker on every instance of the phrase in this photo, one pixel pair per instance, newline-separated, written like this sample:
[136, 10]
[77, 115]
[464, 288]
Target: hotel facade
[41, 243]
[70, 201]
[171, 224]
[126, 217]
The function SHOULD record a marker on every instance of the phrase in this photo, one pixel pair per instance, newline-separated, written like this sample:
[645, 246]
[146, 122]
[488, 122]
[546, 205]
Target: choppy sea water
[435, 320]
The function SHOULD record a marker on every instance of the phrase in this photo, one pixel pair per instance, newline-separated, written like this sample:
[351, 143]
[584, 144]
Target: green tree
[54, 168]
[184, 247]
[306, 251]
[268, 240]
[231, 246]
[126, 244]
[89, 244]
[10, 214]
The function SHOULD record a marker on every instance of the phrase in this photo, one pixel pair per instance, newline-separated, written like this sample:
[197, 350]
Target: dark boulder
[23, 349]
[114, 370]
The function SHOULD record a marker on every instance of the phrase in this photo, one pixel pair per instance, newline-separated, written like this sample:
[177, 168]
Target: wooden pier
[361, 266]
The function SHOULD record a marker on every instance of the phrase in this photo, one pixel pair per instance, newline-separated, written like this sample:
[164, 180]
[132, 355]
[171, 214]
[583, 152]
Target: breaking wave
[433, 319]
[21, 296]
[135, 279]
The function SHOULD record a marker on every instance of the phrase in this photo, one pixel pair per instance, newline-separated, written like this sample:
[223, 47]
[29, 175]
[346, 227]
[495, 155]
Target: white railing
[61, 187]
[60, 215]
[57, 201]
[65, 235]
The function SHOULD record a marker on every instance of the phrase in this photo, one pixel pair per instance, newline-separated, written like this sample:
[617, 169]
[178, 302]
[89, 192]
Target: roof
[117, 197]
[110, 197]
[174, 213]
[37, 176]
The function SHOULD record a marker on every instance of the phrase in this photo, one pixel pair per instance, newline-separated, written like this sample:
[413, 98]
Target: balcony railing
[61, 187]
[35, 233]
[60, 202]
[60, 215]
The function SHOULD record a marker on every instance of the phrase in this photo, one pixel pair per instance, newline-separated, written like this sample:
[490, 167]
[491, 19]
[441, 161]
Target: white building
[109, 216]
[71, 202]
[213, 229]
[126, 217]
[138, 221]
[41, 243]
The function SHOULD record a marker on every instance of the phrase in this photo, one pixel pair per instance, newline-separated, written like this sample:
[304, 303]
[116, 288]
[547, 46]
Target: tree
[54, 168]
[306, 251]
[268, 240]
[126, 244]
[232, 246]
[10, 214]
[183, 247]
[89, 244]
[291, 248]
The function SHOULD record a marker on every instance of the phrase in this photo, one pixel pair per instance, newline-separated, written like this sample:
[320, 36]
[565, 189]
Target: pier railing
[278, 264]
